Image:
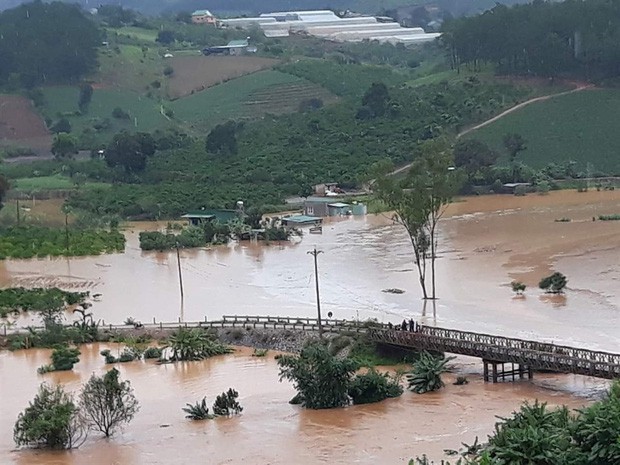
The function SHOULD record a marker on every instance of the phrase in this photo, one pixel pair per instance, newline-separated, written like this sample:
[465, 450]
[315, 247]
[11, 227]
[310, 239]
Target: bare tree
[106, 403]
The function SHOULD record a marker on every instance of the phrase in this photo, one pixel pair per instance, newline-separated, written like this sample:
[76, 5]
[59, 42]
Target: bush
[119, 113]
[168, 71]
[50, 421]
[198, 411]
[373, 386]
[63, 359]
[260, 352]
[518, 287]
[426, 373]
[152, 352]
[554, 283]
[226, 403]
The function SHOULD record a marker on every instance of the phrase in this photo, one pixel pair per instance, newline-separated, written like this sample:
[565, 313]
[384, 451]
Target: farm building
[297, 221]
[326, 24]
[326, 206]
[195, 218]
[203, 17]
[234, 47]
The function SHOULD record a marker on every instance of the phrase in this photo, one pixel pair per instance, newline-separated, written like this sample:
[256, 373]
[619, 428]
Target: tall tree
[106, 403]
[473, 156]
[86, 95]
[376, 98]
[64, 145]
[514, 144]
[130, 151]
[419, 201]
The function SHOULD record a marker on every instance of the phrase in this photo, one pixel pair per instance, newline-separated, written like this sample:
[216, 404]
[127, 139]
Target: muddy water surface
[269, 431]
[485, 243]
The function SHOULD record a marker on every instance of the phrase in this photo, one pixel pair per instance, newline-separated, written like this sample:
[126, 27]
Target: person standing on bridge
[403, 326]
[411, 325]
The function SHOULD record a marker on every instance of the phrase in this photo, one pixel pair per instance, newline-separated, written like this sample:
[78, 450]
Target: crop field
[144, 113]
[130, 67]
[20, 125]
[196, 73]
[246, 97]
[55, 182]
[582, 127]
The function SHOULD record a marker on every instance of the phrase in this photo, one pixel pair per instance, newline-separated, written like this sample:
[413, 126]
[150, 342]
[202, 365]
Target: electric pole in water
[180, 275]
[315, 253]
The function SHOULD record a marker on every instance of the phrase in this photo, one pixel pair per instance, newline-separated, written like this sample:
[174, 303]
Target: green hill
[582, 127]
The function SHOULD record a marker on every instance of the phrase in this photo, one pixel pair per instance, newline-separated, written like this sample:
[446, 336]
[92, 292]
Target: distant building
[326, 206]
[203, 17]
[195, 218]
[297, 221]
[234, 47]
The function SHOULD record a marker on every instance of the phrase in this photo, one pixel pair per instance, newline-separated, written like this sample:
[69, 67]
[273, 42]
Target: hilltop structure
[327, 25]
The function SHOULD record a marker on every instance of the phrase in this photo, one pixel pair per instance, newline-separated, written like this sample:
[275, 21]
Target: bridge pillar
[494, 371]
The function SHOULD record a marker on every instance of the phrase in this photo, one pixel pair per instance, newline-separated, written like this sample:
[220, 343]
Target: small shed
[195, 218]
[297, 221]
[338, 209]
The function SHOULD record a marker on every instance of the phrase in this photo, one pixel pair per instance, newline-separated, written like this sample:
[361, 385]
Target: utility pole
[180, 275]
[315, 253]
[17, 210]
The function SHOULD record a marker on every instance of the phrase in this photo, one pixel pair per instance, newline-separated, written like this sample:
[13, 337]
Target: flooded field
[485, 243]
[269, 431]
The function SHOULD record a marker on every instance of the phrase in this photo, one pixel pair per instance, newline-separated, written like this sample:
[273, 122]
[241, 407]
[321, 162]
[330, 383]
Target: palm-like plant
[198, 411]
[426, 373]
[194, 344]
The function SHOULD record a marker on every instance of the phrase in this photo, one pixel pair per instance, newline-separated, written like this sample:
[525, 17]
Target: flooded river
[485, 243]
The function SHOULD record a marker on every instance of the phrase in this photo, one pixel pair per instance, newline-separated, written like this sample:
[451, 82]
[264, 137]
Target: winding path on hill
[579, 88]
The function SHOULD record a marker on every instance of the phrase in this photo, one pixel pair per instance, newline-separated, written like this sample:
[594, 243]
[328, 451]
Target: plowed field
[21, 125]
[196, 73]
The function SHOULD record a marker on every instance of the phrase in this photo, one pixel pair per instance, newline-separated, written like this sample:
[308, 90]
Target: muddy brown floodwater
[485, 243]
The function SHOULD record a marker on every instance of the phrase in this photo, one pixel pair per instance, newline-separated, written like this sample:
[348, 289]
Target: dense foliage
[321, 379]
[46, 43]
[106, 403]
[571, 38]
[198, 411]
[226, 404]
[554, 283]
[50, 420]
[373, 386]
[193, 344]
[36, 241]
[536, 434]
[426, 373]
[18, 299]
[63, 359]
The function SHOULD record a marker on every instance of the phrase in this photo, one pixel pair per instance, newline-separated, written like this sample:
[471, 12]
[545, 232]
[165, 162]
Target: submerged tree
[419, 200]
[50, 420]
[321, 379]
[426, 373]
[107, 403]
[226, 404]
[198, 411]
[554, 283]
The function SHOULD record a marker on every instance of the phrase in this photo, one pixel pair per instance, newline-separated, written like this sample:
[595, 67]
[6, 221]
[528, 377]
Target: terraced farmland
[285, 98]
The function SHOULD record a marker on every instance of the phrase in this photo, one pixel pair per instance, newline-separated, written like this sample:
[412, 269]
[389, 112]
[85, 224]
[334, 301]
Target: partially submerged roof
[220, 215]
[300, 219]
[338, 205]
[199, 215]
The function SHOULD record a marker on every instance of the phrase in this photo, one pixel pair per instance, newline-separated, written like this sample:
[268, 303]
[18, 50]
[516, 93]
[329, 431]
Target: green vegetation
[36, 241]
[615, 217]
[426, 373]
[545, 39]
[106, 403]
[63, 359]
[518, 287]
[19, 299]
[54, 182]
[193, 344]
[577, 127]
[152, 352]
[226, 404]
[44, 42]
[198, 411]
[554, 284]
[49, 421]
[537, 434]
[373, 387]
[260, 352]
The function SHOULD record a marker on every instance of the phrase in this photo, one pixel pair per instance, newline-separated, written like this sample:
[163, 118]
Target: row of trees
[572, 38]
[54, 419]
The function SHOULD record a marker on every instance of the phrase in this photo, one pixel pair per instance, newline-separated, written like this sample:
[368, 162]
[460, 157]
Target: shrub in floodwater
[609, 217]
[63, 359]
[426, 373]
[373, 386]
[226, 403]
[198, 411]
[260, 352]
[554, 283]
[129, 321]
[460, 381]
[109, 358]
[51, 420]
[518, 287]
[194, 344]
[152, 352]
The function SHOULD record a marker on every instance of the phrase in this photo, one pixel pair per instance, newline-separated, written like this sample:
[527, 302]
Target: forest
[46, 43]
[573, 39]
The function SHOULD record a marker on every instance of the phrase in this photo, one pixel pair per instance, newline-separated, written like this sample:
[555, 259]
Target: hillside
[581, 127]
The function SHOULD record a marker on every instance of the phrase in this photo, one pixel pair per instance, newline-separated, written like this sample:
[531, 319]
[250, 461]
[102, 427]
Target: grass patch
[54, 182]
[581, 127]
